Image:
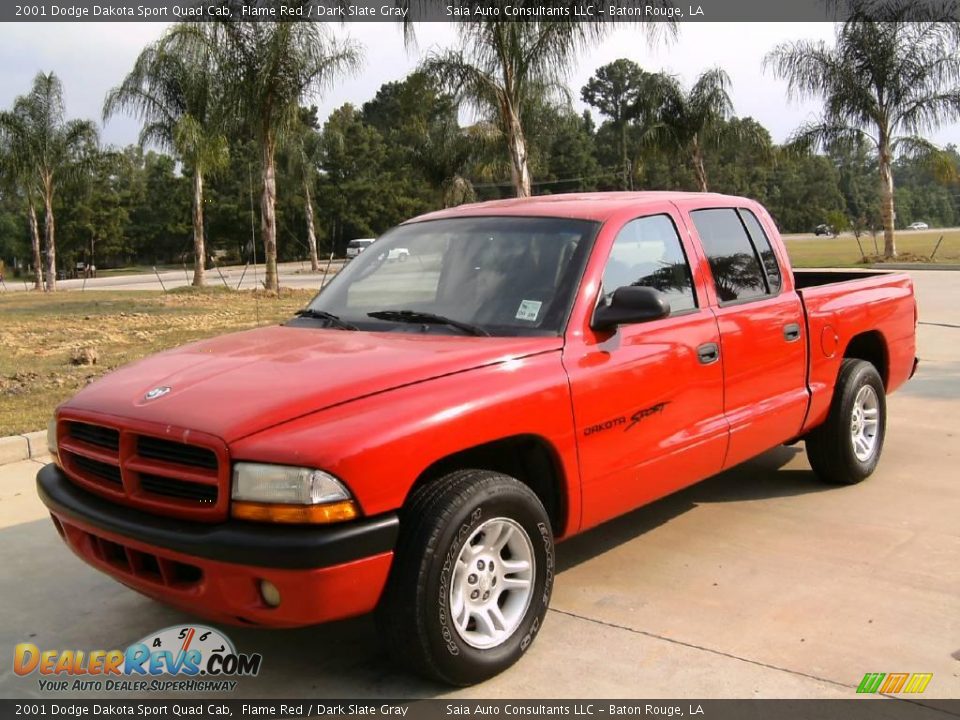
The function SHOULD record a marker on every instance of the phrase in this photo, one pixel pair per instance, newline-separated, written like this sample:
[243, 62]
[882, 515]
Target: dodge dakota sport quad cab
[415, 440]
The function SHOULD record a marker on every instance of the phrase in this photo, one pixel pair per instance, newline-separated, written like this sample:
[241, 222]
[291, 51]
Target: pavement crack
[758, 663]
[940, 324]
[694, 646]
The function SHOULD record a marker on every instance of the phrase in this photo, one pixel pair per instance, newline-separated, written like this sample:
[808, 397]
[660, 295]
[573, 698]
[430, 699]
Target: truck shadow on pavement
[59, 602]
[761, 478]
[935, 380]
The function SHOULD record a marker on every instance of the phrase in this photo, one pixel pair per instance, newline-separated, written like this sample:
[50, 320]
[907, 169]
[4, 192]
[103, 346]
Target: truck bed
[853, 314]
[814, 278]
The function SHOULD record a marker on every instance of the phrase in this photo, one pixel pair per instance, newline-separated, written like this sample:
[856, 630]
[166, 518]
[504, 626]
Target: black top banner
[406, 11]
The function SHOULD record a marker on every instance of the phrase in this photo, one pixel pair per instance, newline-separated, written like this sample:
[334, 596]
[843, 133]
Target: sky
[90, 58]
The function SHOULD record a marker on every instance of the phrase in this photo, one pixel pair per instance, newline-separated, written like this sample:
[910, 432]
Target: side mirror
[631, 304]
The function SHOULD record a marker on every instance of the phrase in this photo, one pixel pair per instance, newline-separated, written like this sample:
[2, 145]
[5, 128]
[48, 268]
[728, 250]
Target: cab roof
[598, 206]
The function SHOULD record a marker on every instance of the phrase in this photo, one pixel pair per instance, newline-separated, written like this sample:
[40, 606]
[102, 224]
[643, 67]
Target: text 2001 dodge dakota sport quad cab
[415, 439]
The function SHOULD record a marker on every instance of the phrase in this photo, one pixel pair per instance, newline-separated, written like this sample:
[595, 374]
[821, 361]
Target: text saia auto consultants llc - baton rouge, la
[202, 656]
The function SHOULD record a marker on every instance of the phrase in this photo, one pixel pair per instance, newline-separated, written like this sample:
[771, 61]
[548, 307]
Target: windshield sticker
[529, 310]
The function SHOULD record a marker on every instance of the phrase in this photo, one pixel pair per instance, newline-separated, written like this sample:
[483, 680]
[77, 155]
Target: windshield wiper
[414, 316]
[332, 319]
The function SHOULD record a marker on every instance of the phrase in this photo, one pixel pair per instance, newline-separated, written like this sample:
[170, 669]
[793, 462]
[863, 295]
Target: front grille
[156, 474]
[100, 470]
[98, 435]
[169, 487]
[176, 453]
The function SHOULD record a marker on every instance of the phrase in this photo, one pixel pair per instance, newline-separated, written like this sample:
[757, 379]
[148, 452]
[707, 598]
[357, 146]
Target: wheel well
[869, 346]
[528, 458]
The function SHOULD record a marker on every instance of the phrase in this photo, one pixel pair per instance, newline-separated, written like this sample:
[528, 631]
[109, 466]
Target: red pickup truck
[416, 438]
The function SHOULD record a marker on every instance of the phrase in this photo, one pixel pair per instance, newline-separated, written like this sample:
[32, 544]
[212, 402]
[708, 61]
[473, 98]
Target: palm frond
[816, 135]
[940, 162]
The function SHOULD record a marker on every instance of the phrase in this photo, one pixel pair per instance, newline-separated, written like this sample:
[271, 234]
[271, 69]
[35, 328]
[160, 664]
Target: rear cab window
[762, 243]
[742, 262]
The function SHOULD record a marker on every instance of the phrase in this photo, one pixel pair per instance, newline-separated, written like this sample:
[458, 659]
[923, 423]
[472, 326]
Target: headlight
[281, 493]
[52, 440]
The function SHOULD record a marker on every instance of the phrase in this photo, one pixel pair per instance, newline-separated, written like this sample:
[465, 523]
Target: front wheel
[846, 448]
[471, 578]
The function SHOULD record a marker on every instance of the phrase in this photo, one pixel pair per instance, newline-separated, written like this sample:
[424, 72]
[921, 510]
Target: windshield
[499, 275]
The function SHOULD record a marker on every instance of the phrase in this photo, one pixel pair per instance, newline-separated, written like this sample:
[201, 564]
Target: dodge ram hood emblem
[157, 392]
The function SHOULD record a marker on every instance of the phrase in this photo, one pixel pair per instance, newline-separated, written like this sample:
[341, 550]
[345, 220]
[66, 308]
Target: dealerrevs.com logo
[196, 657]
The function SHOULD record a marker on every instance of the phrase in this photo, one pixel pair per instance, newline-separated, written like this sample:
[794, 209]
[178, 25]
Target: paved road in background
[292, 275]
[760, 582]
[936, 232]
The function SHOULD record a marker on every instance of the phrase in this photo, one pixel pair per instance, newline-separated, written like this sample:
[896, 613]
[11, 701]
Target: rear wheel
[846, 448]
[471, 578]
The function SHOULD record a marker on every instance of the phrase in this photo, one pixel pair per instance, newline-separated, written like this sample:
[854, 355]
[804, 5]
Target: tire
[443, 522]
[835, 455]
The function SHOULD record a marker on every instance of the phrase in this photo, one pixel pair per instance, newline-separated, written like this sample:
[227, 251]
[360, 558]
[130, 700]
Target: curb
[914, 266]
[17, 448]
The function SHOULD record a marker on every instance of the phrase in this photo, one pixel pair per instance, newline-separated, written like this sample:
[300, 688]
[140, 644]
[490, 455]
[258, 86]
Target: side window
[647, 252]
[734, 265]
[762, 243]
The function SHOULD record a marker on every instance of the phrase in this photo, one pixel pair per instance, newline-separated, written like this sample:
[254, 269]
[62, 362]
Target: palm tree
[503, 66]
[303, 151]
[50, 147]
[265, 70]
[174, 98]
[690, 120]
[445, 156]
[885, 80]
[16, 175]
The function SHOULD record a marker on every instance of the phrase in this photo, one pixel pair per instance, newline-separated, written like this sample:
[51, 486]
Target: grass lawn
[40, 332]
[842, 251]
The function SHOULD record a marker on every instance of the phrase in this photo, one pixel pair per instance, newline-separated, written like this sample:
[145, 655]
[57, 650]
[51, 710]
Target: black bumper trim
[272, 546]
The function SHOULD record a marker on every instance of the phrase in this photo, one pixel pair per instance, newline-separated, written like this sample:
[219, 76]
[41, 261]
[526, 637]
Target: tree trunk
[885, 161]
[199, 251]
[698, 165]
[268, 214]
[311, 232]
[35, 242]
[50, 234]
[627, 175]
[519, 169]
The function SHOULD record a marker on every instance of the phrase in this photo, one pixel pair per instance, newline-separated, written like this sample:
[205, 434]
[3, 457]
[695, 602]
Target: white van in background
[355, 247]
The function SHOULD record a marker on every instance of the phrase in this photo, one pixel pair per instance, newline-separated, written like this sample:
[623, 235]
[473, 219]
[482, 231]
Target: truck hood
[234, 385]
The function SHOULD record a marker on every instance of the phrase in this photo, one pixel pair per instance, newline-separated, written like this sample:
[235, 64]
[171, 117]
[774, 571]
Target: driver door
[648, 397]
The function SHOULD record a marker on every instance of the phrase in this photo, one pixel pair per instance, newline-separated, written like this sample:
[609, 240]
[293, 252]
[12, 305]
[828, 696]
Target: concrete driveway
[760, 582]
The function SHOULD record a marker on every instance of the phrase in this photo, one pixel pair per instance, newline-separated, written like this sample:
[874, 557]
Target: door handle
[791, 332]
[708, 353]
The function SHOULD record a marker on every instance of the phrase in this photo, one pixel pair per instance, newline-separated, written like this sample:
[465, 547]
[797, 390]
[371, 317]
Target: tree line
[230, 164]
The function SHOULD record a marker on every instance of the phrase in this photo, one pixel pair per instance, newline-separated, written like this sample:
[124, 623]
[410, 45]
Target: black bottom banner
[876, 708]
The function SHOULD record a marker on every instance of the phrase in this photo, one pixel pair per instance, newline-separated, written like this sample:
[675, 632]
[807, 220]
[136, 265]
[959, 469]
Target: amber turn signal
[304, 514]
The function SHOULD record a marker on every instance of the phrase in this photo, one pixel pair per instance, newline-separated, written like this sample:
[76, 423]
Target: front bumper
[214, 570]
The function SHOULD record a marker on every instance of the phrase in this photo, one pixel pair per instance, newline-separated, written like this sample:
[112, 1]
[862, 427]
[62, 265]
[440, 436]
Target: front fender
[381, 444]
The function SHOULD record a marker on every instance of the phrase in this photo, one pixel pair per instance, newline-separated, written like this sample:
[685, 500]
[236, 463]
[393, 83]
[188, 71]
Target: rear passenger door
[761, 332]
